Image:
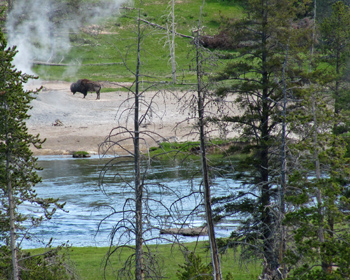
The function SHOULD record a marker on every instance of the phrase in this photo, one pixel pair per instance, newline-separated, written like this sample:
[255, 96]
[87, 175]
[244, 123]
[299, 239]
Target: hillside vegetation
[111, 40]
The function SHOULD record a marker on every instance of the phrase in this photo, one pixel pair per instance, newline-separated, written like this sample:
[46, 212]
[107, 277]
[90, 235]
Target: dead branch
[164, 28]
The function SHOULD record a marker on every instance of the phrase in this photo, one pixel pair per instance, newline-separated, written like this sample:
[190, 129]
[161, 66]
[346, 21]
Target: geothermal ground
[71, 123]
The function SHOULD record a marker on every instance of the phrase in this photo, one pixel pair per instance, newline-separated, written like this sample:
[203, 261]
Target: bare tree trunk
[207, 196]
[15, 269]
[283, 171]
[139, 273]
[313, 30]
[11, 208]
[171, 40]
[324, 264]
[271, 264]
[205, 172]
[173, 61]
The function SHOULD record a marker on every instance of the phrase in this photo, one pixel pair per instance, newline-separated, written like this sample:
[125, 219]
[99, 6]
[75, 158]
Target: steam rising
[40, 28]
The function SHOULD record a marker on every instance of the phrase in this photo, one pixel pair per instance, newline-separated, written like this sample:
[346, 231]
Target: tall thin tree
[18, 166]
[201, 99]
[254, 78]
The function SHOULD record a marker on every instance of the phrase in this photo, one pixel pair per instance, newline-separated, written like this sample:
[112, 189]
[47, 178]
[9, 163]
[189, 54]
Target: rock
[57, 123]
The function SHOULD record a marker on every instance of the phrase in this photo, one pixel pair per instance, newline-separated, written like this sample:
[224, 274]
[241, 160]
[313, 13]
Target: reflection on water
[76, 182]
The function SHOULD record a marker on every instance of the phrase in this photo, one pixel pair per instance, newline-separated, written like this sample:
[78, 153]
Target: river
[76, 182]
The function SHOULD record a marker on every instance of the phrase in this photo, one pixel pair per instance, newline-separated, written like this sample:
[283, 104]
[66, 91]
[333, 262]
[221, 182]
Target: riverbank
[71, 123]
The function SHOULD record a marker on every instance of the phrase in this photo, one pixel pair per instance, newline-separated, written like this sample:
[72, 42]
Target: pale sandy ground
[87, 122]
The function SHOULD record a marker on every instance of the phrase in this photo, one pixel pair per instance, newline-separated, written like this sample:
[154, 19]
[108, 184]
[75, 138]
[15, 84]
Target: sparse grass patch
[81, 154]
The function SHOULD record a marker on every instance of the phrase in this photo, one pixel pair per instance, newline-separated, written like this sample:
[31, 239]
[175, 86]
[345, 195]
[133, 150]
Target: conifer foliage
[295, 217]
[18, 166]
[254, 78]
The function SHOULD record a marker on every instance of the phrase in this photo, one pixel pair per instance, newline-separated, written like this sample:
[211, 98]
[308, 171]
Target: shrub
[194, 269]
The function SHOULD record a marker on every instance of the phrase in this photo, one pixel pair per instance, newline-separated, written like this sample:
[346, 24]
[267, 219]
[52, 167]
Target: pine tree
[255, 78]
[317, 185]
[17, 164]
[316, 190]
[335, 43]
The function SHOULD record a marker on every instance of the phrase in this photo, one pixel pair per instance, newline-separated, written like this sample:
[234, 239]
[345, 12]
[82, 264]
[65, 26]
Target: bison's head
[73, 88]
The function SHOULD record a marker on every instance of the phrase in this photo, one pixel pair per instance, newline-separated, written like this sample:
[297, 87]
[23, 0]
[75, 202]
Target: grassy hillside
[113, 38]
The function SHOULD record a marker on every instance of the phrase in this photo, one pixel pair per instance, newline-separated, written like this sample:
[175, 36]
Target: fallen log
[62, 64]
[197, 231]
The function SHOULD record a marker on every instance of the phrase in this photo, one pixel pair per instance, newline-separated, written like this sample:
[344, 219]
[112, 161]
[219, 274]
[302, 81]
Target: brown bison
[84, 86]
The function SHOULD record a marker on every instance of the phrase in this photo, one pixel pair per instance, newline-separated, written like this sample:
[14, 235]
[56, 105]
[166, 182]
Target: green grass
[218, 150]
[81, 154]
[109, 48]
[89, 261]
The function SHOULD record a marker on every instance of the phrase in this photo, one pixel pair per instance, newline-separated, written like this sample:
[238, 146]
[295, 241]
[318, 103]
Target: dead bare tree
[201, 96]
[142, 215]
[171, 39]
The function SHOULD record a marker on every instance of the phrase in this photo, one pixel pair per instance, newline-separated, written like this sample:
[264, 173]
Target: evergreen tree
[316, 190]
[17, 164]
[255, 78]
[324, 8]
[335, 42]
[318, 184]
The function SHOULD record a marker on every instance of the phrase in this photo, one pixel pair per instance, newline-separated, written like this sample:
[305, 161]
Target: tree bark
[173, 61]
[283, 186]
[15, 269]
[205, 172]
[207, 196]
[11, 207]
[139, 272]
[321, 239]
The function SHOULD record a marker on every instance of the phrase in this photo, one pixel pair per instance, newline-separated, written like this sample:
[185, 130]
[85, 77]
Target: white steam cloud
[40, 28]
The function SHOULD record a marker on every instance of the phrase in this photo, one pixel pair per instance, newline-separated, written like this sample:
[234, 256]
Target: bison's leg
[98, 94]
[85, 93]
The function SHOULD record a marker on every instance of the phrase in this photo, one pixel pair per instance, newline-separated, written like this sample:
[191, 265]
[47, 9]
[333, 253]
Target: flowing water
[76, 182]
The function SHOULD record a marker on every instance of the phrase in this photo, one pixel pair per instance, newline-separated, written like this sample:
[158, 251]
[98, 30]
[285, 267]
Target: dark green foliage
[18, 174]
[185, 149]
[324, 8]
[17, 165]
[254, 77]
[337, 252]
[316, 193]
[51, 265]
[335, 43]
[194, 269]
[81, 154]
